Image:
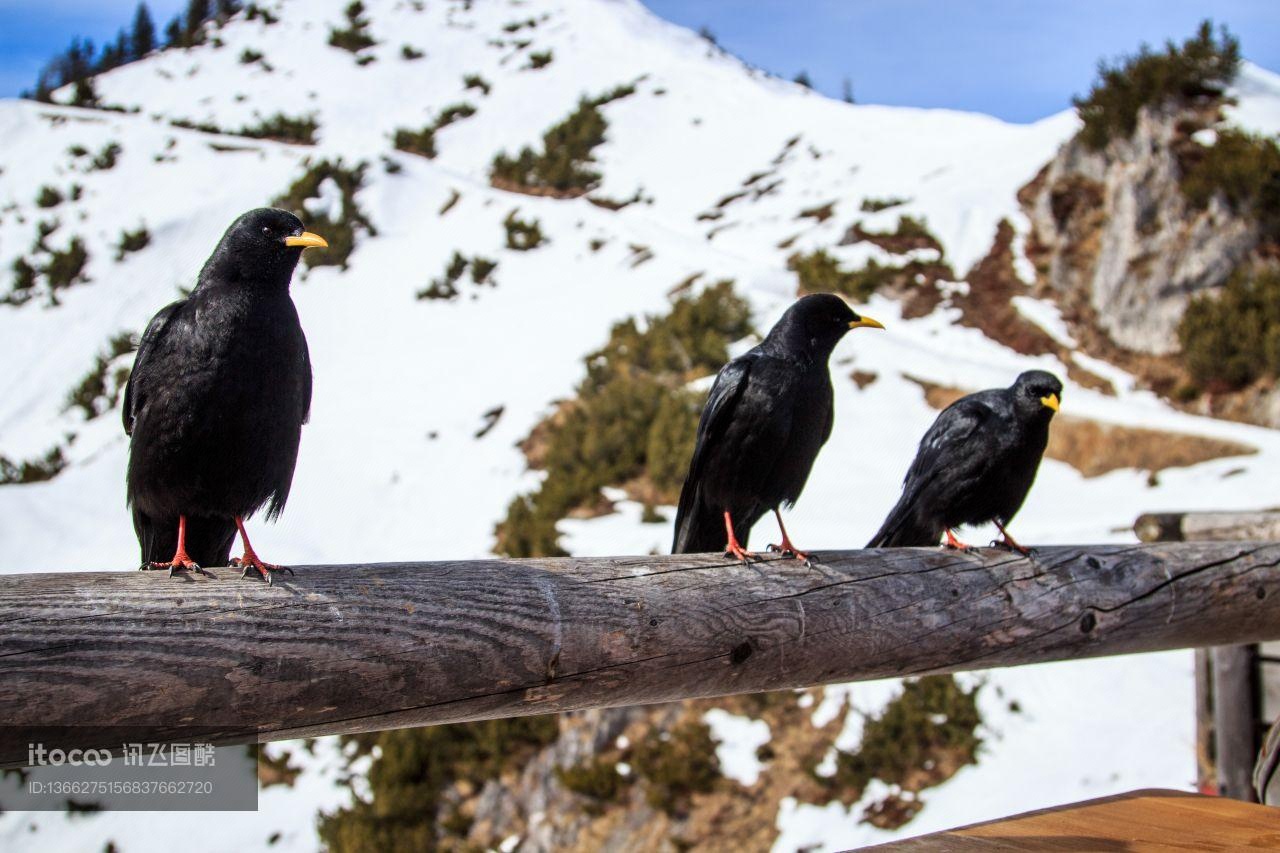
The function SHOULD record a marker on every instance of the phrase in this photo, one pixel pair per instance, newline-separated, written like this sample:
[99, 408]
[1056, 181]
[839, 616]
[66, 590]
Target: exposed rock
[1112, 232]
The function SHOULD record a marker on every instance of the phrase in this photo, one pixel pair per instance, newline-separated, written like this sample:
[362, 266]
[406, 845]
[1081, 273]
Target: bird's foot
[733, 549]
[180, 563]
[954, 544]
[1007, 544]
[786, 549]
[250, 563]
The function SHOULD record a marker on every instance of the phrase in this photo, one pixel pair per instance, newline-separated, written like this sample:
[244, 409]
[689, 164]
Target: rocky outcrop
[1113, 237]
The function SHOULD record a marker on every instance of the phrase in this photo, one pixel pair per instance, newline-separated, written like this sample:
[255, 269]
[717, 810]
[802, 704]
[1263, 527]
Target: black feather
[975, 464]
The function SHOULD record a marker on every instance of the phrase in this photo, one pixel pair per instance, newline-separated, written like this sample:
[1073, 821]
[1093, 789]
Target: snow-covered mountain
[725, 160]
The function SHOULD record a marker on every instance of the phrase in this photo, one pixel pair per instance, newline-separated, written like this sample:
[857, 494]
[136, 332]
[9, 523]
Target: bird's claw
[786, 549]
[1005, 545]
[253, 564]
[962, 547]
[740, 553]
[176, 565]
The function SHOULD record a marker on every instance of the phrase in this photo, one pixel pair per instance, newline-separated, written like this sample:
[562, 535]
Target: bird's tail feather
[698, 530]
[209, 540]
[906, 527]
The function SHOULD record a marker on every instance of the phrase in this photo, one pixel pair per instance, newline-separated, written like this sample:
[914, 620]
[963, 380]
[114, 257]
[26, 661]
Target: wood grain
[1139, 822]
[368, 647]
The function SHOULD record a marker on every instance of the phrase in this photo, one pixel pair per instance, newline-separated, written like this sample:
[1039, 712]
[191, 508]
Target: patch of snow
[1047, 316]
[738, 738]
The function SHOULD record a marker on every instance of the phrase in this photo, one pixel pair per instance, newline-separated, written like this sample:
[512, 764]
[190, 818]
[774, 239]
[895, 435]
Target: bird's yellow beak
[1051, 401]
[866, 322]
[307, 240]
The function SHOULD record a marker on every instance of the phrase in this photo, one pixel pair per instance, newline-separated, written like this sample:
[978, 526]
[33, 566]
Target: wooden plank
[368, 647]
[1141, 821]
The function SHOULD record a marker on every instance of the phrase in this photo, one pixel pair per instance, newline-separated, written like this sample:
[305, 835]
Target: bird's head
[261, 248]
[817, 322]
[1037, 394]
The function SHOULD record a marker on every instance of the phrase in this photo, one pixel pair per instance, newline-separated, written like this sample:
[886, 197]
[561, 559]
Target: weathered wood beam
[357, 648]
[1252, 526]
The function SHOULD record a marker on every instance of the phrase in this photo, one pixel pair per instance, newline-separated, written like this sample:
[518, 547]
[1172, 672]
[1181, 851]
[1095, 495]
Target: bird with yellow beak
[215, 404]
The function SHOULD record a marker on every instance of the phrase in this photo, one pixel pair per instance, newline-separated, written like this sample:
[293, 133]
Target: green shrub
[523, 234]
[282, 128]
[677, 765]
[48, 197]
[106, 158]
[253, 12]
[248, 56]
[409, 53]
[539, 60]
[1202, 67]
[596, 778]
[354, 37]
[875, 205]
[32, 470]
[132, 241]
[820, 272]
[561, 168]
[475, 81]
[1233, 338]
[1245, 169]
[423, 142]
[65, 267]
[921, 737]
[339, 231]
[632, 421]
[482, 270]
[446, 287]
[24, 276]
[414, 767]
[100, 389]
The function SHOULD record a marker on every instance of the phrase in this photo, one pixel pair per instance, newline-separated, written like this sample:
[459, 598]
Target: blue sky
[1017, 59]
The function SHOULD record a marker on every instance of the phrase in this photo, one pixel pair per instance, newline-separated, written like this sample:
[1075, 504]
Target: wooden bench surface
[1139, 821]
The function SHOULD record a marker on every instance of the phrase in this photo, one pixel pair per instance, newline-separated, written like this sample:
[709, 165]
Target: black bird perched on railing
[975, 464]
[216, 401]
[769, 413]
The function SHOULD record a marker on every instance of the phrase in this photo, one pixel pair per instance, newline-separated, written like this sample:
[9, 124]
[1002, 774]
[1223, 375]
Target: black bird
[975, 464]
[217, 398]
[769, 413]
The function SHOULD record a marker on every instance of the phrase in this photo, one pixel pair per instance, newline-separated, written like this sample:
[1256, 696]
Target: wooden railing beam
[341, 649]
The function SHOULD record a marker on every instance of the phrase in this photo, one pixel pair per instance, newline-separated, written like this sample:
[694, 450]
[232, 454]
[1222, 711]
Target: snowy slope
[390, 468]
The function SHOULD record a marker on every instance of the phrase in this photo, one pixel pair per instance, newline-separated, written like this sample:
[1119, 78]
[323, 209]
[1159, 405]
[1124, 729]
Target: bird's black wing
[155, 331]
[948, 449]
[727, 390]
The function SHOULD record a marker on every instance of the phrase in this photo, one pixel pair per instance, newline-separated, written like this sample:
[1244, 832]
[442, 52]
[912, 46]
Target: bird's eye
[266, 229]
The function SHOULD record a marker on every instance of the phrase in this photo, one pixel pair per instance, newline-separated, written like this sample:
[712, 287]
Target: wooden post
[1235, 720]
[362, 648]
[1228, 678]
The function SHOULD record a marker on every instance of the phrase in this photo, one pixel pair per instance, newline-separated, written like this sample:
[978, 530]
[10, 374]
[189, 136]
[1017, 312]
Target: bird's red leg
[733, 549]
[250, 559]
[1011, 543]
[786, 548]
[181, 560]
[955, 544]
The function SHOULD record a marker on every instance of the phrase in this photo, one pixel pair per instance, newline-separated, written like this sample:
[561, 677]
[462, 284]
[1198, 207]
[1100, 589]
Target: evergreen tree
[226, 8]
[197, 14]
[846, 91]
[173, 34]
[143, 38]
[803, 79]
